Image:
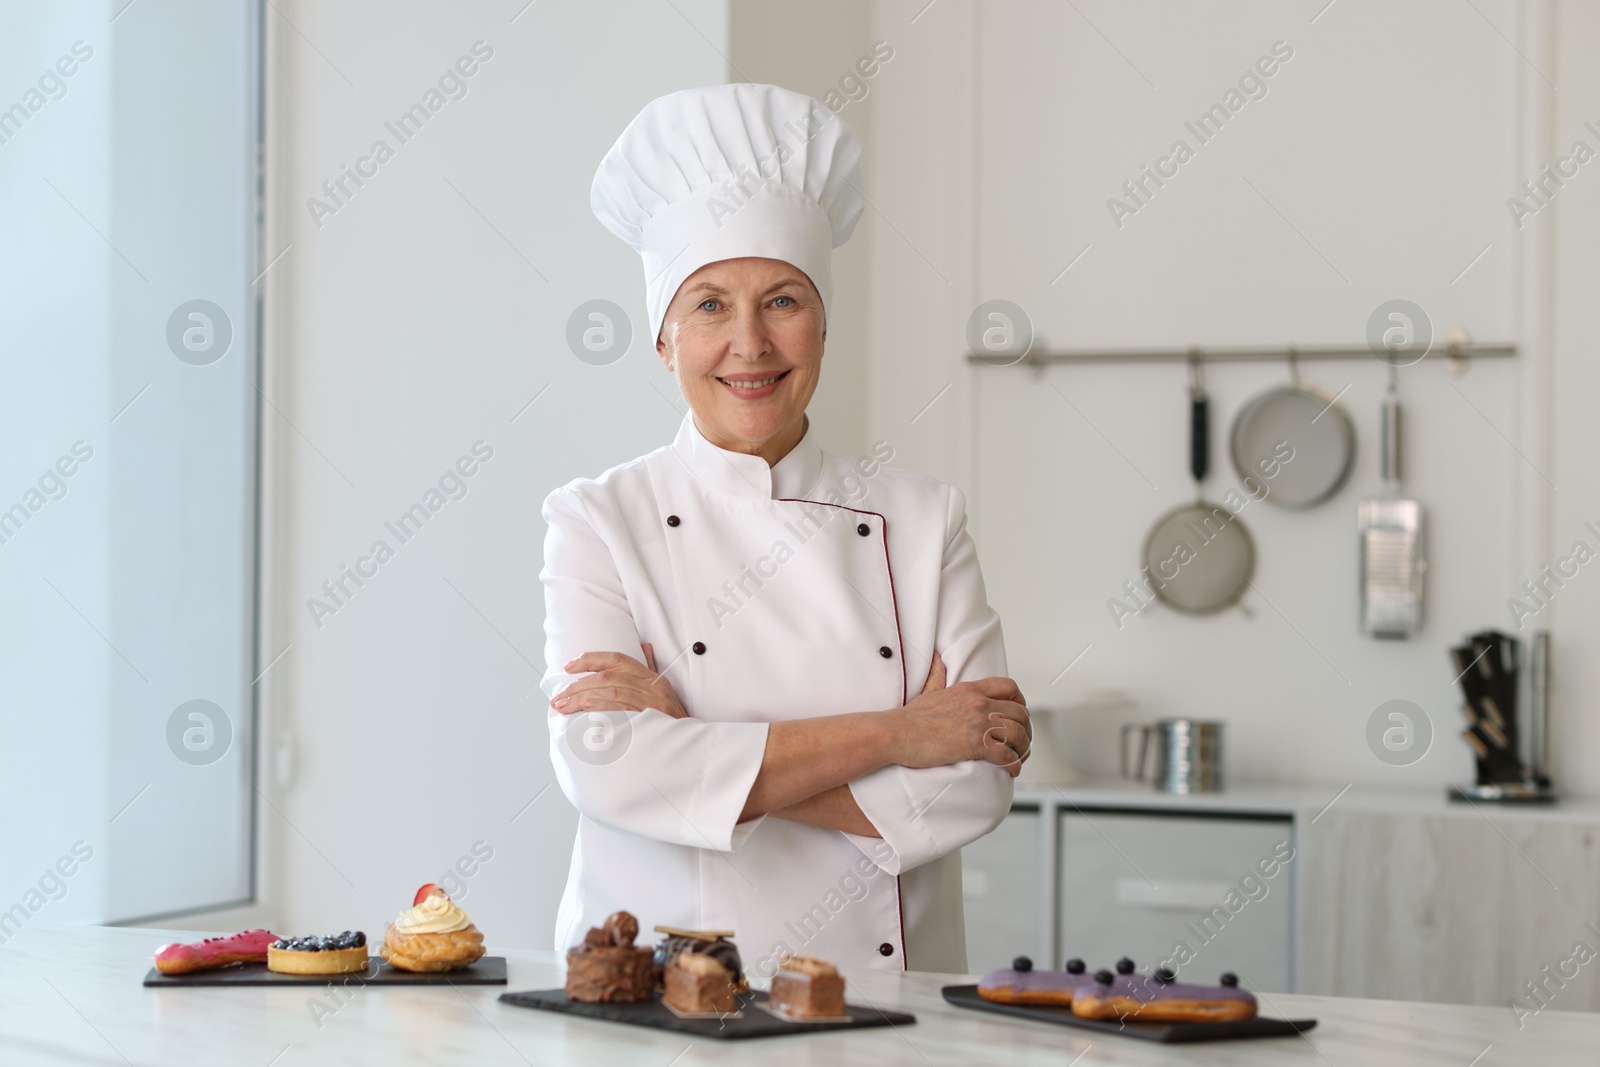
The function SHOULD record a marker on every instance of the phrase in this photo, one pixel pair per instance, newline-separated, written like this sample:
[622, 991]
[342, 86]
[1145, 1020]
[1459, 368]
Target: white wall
[411, 324]
[408, 326]
[1390, 142]
[1572, 426]
[811, 54]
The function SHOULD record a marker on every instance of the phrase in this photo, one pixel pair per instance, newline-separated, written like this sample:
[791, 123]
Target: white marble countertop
[72, 995]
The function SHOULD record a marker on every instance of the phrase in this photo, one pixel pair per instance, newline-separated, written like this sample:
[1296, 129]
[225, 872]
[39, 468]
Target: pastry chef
[778, 692]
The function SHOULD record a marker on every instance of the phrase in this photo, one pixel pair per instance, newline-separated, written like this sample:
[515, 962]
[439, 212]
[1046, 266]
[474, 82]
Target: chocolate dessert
[713, 943]
[807, 988]
[697, 984]
[607, 968]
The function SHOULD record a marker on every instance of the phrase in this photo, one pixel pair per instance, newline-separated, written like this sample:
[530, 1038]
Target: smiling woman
[792, 730]
[744, 339]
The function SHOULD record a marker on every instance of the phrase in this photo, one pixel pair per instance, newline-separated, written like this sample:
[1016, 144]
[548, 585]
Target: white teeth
[751, 385]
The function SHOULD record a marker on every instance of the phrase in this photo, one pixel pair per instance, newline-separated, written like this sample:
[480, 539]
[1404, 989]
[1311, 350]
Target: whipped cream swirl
[437, 914]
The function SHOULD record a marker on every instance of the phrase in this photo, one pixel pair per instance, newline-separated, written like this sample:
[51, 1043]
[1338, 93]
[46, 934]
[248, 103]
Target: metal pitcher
[1187, 755]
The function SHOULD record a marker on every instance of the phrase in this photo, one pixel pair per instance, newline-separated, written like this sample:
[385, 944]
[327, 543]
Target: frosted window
[128, 148]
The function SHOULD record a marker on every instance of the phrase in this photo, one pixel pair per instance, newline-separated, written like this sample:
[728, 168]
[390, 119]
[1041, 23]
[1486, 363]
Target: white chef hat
[728, 171]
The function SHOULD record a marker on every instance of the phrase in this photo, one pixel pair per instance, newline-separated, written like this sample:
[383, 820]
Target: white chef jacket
[814, 587]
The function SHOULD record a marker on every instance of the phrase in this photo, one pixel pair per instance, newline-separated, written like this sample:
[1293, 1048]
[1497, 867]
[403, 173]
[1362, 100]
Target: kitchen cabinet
[1000, 883]
[1065, 877]
[1187, 891]
[1463, 906]
[1396, 894]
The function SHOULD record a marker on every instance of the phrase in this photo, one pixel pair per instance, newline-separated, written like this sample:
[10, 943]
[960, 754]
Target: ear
[662, 351]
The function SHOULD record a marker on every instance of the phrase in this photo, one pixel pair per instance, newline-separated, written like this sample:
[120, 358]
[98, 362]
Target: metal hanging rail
[1448, 351]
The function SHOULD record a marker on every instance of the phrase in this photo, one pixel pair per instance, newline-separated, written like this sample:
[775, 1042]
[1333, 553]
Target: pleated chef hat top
[728, 171]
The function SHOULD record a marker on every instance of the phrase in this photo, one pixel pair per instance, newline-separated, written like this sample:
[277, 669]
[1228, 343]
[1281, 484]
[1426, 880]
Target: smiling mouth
[753, 383]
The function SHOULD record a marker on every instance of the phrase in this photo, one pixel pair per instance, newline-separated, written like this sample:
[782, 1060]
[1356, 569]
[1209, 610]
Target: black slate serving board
[490, 970]
[754, 1020]
[966, 996]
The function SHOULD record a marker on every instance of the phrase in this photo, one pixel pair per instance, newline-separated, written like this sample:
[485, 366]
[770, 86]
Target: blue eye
[708, 304]
[786, 301]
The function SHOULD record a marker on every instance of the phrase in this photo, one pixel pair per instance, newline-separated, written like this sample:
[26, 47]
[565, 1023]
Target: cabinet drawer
[1201, 894]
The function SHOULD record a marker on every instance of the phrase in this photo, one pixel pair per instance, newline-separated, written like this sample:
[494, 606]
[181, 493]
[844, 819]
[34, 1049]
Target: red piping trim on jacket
[894, 600]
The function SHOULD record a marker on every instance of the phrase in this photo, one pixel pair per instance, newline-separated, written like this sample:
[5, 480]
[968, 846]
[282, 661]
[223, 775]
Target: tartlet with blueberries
[341, 953]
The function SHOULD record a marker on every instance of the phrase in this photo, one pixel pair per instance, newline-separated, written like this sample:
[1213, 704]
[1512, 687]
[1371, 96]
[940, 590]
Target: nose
[751, 340]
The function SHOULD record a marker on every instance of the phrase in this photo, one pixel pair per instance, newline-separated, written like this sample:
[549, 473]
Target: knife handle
[1492, 712]
[1494, 734]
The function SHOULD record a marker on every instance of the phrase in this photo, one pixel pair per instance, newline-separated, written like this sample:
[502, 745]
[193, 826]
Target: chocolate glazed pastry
[698, 985]
[713, 943]
[807, 988]
[608, 969]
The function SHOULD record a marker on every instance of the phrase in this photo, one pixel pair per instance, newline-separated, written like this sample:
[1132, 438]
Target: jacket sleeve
[927, 813]
[683, 781]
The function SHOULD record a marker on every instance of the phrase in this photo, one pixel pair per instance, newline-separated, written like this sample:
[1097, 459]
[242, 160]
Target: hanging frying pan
[1199, 557]
[1296, 417]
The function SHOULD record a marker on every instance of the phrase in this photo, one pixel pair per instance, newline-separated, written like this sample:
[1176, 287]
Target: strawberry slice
[425, 892]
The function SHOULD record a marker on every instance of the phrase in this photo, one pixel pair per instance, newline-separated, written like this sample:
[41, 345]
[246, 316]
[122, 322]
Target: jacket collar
[749, 476]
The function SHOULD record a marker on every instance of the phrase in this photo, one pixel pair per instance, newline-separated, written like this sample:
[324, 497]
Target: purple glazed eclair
[1021, 984]
[1159, 998]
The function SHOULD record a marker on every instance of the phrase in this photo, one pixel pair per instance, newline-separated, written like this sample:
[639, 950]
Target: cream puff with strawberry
[435, 935]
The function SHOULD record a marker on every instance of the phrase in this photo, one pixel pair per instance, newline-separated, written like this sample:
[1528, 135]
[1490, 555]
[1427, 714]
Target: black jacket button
[699, 648]
[863, 529]
[673, 520]
[886, 949]
[886, 652]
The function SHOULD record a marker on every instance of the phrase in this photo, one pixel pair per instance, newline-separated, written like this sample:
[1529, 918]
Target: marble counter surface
[71, 995]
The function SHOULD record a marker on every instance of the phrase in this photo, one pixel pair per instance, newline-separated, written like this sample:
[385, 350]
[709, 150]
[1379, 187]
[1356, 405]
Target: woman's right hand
[982, 720]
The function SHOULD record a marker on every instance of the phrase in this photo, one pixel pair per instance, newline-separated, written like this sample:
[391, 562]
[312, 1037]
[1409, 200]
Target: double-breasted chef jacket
[817, 586]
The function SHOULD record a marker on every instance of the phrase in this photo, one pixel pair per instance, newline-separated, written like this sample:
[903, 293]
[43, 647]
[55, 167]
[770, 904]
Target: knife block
[1488, 671]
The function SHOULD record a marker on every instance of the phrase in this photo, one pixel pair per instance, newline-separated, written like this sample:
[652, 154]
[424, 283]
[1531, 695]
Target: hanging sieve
[1199, 557]
[1306, 423]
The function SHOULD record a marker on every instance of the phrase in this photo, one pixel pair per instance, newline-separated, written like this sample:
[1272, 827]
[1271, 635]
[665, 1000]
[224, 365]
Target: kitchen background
[430, 311]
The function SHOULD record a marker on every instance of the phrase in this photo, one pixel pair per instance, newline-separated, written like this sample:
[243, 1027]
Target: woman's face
[744, 339]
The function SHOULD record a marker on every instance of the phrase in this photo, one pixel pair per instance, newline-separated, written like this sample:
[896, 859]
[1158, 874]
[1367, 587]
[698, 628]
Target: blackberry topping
[1124, 966]
[1164, 975]
[1104, 977]
[1075, 966]
[1022, 963]
[1229, 979]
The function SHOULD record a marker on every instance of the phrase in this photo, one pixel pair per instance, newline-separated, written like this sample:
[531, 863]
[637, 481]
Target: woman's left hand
[620, 683]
